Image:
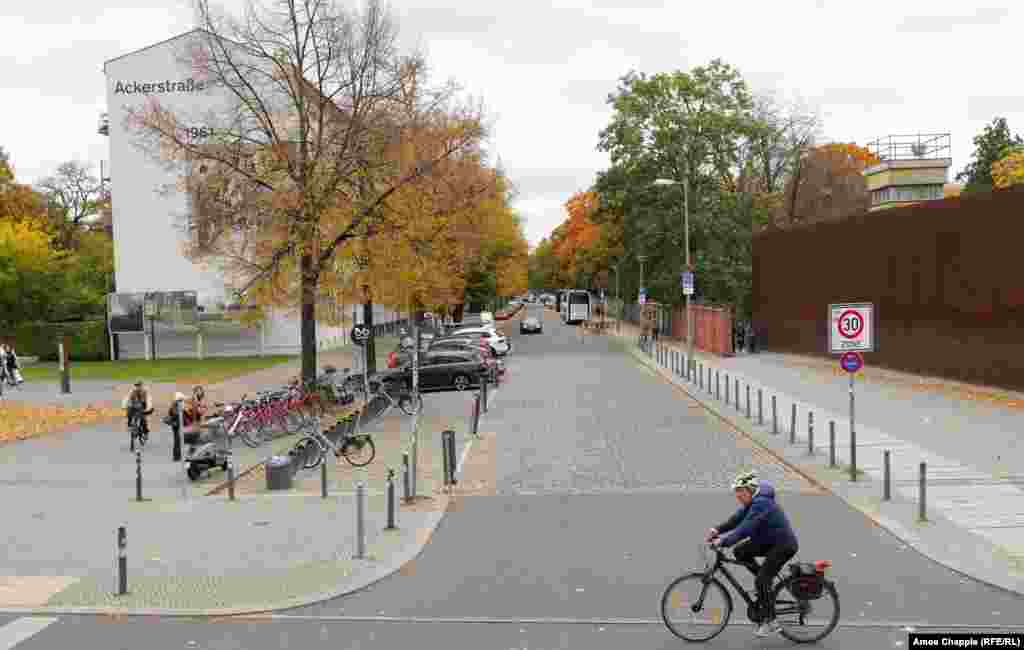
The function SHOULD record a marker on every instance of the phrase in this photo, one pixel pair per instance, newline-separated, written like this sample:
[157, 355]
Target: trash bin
[279, 473]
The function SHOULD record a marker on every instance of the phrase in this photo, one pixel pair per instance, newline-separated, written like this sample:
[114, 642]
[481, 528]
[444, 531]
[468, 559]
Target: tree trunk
[307, 329]
[457, 312]
[371, 345]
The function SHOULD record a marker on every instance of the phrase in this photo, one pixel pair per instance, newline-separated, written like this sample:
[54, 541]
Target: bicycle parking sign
[851, 327]
[360, 334]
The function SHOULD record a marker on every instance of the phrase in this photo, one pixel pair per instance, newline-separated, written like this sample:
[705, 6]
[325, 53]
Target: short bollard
[138, 475]
[886, 475]
[700, 375]
[718, 386]
[832, 443]
[323, 479]
[476, 415]
[452, 466]
[405, 477]
[231, 480]
[748, 401]
[710, 389]
[792, 425]
[810, 433]
[122, 560]
[736, 392]
[727, 400]
[483, 394]
[775, 417]
[760, 407]
[444, 459]
[391, 500]
[922, 501]
[360, 521]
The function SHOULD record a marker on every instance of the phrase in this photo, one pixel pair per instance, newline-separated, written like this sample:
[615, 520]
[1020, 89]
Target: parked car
[497, 365]
[494, 338]
[530, 324]
[441, 370]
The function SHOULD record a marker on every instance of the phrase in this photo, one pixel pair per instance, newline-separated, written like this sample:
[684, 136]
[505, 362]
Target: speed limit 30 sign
[851, 327]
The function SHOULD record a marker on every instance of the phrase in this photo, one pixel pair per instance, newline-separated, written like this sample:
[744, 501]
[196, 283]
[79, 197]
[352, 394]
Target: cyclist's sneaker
[767, 629]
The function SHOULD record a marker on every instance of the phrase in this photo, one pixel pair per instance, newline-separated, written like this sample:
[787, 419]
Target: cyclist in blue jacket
[763, 524]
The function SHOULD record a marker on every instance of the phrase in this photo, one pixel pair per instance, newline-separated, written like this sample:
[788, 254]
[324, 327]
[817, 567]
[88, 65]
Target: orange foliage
[853, 152]
[19, 421]
[578, 231]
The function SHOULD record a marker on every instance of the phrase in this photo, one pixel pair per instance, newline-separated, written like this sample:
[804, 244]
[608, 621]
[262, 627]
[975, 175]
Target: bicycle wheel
[806, 621]
[359, 451]
[251, 434]
[310, 451]
[685, 618]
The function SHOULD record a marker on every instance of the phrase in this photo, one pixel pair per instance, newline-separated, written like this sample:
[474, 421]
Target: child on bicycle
[762, 522]
[139, 399]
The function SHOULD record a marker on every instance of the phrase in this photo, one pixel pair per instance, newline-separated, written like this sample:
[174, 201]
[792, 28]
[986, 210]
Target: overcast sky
[545, 67]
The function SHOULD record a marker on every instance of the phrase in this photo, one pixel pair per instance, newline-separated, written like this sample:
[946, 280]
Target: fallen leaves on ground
[19, 421]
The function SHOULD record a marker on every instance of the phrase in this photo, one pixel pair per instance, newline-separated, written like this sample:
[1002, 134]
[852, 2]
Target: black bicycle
[697, 606]
[135, 429]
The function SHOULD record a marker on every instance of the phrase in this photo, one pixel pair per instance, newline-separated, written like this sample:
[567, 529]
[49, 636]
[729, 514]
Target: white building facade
[149, 212]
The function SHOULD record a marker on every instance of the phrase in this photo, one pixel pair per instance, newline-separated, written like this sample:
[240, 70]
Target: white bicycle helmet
[745, 480]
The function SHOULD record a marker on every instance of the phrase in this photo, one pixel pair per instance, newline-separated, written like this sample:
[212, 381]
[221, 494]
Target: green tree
[990, 146]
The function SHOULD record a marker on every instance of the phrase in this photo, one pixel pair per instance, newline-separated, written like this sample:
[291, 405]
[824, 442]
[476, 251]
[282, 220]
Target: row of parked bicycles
[297, 408]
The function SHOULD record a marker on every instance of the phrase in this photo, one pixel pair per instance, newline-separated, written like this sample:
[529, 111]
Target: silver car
[530, 324]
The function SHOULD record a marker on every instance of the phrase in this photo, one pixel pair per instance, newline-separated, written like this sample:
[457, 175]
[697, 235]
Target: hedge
[88, 340]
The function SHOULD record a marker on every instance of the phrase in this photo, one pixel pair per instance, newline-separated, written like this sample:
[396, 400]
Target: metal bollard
[451, 455]
[727, 389]
[391, 500]
[748, 401]
[700, 375]
[922, 502]
[231, 480]
[718, 386]
[138, 475]
[737, 393]
[832, 443]
[405, 476]
[483, 390]
[810, 433]
[476, 415]
[760, 408]
[360, 521]
[792, 425]
[886, 475]
[775, 417]
[444, 460]
[122, 560]
[323, 479]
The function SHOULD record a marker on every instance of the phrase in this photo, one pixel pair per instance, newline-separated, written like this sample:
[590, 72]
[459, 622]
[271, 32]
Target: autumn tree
[1010, 169]
[19, 202]
[827, 184]
[307, 154]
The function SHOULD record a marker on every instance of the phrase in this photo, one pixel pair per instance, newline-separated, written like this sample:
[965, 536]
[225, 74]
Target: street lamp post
[686, 244]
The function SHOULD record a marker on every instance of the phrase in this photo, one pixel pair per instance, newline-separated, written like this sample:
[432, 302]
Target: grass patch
[208, 371]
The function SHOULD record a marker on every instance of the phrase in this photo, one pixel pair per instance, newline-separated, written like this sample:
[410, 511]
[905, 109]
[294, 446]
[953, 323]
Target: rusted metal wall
[945, 277]
[712, 327]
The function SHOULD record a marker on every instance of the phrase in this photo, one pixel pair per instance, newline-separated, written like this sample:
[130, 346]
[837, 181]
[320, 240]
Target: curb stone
[1004, 573]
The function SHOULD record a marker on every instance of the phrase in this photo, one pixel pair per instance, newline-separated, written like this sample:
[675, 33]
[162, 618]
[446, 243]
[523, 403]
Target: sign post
[852, 331]
[360, 335]
[643, 296]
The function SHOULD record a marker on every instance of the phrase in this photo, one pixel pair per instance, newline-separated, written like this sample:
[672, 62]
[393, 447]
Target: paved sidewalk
[975, 504]
[191, 554]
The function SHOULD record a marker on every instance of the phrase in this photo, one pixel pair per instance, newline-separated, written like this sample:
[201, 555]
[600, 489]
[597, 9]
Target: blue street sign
[851, 362]
[686, 282]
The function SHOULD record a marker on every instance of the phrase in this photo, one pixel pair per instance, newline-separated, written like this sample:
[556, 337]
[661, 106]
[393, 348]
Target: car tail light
[392, 360]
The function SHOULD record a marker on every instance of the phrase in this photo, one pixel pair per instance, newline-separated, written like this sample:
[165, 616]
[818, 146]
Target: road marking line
[21, 629]
[858, 624]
